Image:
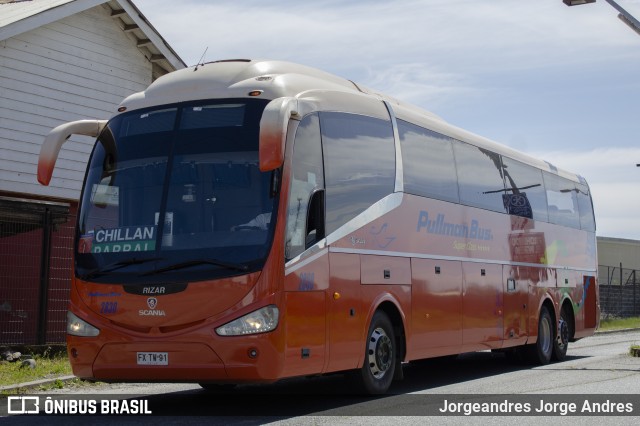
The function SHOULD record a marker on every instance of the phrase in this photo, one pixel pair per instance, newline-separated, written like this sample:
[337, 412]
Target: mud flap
[590, 302]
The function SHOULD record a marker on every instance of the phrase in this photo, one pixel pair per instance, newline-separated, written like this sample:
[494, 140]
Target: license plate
[153, 358]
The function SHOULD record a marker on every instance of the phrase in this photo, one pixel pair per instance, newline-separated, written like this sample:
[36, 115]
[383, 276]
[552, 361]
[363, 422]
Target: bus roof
[236, 78]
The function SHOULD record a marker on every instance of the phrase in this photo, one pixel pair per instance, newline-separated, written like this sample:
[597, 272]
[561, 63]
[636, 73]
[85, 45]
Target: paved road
[597, 365]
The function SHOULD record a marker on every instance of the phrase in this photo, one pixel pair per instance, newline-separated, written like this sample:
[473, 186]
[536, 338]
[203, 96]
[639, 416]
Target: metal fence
[36, 241]
[619, 291]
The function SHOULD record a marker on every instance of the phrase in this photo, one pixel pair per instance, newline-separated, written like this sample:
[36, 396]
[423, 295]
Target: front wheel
[380, 355]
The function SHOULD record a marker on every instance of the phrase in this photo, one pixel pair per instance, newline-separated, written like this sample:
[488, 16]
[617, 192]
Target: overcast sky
[561, 83]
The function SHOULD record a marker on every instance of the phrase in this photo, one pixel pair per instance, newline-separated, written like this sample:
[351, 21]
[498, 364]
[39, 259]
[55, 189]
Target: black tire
[540, 352]
[380, 355]
[561, 342]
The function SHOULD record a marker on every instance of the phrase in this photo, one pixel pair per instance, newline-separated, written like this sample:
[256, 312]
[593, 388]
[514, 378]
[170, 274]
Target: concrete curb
[36, 383]
[622, 330]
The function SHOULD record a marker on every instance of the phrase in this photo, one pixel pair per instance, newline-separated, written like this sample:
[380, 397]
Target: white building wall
[614, 251]
[80, 67]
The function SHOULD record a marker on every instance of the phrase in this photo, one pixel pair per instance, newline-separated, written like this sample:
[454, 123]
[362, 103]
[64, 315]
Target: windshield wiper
[117, 265]
[182, 265]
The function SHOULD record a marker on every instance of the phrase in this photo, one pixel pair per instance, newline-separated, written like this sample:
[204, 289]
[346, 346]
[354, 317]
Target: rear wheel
[380, 355]
[541, 351]
[561, 342]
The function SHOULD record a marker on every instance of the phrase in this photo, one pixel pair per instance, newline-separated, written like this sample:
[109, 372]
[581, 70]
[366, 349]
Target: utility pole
[623, 15]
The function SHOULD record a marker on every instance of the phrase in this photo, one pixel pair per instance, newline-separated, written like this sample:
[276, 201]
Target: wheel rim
[545, 335]
[380, 353]
[563, 335]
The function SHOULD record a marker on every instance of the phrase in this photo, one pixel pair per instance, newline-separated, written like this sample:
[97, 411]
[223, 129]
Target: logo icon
[152, 302]
[23, 405]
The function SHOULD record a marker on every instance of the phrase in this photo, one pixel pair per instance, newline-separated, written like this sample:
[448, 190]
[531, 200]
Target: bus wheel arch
[385, 348]
[392, 311]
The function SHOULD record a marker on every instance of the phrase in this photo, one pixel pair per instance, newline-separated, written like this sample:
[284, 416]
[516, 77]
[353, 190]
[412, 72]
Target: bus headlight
[78, 327]
[260, 321]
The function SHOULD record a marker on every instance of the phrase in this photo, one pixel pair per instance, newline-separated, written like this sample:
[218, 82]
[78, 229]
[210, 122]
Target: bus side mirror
[273, 131]
[56, 137]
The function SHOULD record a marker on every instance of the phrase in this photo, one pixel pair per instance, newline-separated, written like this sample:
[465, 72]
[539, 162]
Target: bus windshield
[176, 191]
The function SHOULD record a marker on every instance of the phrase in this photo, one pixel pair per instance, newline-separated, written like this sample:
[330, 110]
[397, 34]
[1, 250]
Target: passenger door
[307, 267]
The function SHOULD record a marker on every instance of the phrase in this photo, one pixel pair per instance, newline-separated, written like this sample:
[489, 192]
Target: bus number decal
[108, 307]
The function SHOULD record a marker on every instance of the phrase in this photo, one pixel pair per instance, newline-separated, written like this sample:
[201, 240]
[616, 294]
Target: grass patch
[608, 324]
[51, 362]
[46, 367]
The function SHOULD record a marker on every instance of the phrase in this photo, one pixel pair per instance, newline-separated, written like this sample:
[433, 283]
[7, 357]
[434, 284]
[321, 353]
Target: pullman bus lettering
[441, 227]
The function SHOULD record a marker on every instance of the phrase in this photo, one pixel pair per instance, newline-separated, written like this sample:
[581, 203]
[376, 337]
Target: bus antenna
[201, 58]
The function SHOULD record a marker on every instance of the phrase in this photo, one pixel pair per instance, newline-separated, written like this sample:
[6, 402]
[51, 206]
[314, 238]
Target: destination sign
[124, 239]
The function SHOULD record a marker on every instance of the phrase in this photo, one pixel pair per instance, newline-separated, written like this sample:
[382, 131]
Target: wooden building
[60, 61]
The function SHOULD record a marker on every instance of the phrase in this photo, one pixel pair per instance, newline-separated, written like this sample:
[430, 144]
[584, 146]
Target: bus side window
[526, 181]
[587, 221]
[562, 200]
[359, 164]
[429, 168]
[480, 179]
[305, 212]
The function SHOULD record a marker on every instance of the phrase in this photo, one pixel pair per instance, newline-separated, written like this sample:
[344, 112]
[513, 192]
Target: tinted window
[587, 221]
[147, 123]
[359, 164]
[210, 116]
[427, 159]
[173, 186]
[479, 177]
[525, 195]
[562, 200]
[306, 178]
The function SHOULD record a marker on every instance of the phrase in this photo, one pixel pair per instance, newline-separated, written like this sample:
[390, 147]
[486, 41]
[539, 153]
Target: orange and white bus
[248, 221]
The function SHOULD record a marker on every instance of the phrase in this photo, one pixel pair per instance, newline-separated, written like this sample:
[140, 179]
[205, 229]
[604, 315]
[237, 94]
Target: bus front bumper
[236, 360]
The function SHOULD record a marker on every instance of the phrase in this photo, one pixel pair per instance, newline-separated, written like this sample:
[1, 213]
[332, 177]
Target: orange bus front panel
[193, 349]
[185, 361]
[194, 356]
